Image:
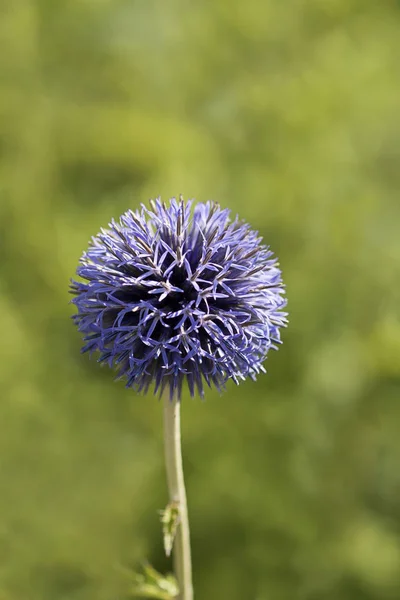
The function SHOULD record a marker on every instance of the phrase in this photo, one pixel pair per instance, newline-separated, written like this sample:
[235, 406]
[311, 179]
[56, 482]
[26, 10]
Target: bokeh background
[288, 113]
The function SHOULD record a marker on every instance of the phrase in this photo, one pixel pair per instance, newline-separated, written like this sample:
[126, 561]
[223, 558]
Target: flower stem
[177, 494]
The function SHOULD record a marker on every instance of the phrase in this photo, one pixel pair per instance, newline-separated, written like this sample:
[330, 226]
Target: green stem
[177, 493]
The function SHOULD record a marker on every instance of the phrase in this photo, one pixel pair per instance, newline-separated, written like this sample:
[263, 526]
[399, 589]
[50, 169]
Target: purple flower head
[179, 292]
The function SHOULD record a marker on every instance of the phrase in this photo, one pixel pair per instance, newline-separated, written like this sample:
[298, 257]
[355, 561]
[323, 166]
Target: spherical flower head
[179, 291]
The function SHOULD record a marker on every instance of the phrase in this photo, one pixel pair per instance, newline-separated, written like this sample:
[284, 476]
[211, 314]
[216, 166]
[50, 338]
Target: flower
[179, 291]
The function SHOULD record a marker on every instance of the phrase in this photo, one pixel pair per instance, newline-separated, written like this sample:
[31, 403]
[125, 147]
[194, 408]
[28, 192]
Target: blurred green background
[288, 113]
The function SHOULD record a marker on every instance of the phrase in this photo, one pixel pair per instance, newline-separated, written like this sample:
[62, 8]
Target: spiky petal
[179, 291]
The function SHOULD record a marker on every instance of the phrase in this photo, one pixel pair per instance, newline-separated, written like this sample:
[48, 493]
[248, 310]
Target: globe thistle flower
[179, 291]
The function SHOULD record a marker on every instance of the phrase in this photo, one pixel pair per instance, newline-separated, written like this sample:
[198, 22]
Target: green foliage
[287, 112]
[150, 584]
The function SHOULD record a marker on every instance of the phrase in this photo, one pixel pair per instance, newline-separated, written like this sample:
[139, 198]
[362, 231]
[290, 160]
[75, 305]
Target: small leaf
[151, 584]
[170, 522]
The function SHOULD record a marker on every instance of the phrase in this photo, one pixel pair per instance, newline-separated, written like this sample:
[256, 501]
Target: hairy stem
[177, 494]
